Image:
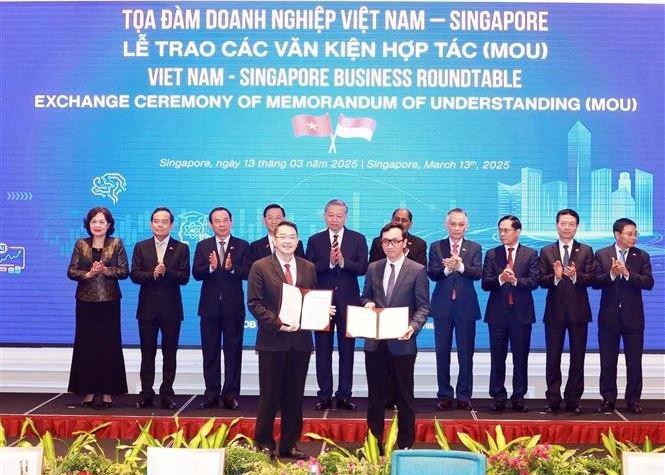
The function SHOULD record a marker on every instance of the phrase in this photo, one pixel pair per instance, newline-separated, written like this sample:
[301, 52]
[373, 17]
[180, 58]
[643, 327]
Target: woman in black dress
[97, 263]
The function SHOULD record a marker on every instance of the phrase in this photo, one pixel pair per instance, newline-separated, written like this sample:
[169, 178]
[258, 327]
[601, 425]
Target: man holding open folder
[394, 282]
[283, 349]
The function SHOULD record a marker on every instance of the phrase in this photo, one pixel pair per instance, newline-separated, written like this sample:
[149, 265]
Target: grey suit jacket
[411, 290]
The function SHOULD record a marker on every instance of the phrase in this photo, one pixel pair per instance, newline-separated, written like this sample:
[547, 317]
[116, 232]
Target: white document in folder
[378, 324]
[289, 312]
[316, 310]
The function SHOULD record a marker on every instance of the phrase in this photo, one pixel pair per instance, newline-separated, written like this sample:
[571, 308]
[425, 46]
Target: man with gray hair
[340, 257]
[455, 263]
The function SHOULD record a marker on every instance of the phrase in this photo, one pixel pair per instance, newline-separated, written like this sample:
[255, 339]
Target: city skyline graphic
[590, 192]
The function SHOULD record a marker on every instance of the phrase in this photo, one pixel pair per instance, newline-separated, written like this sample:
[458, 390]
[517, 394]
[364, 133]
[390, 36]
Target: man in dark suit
[454, 264]
[416, 248]
[510, 273]
[221, 263]
[284, 350]
[340, 257]
[394, 282]
[273, 214]
[160, 265]
[567, 270]
[623, 271]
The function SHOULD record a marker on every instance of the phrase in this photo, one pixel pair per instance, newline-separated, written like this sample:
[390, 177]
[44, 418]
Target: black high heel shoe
[107, 404]
[90, 403]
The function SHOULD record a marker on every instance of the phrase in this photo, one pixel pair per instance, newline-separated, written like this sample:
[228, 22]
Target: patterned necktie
[566, 255]
[222, 252]
[622, 253]
[509, 298]
[391, 282]
[287, 274]
[453, 295]
[161, 250]
[335, 241]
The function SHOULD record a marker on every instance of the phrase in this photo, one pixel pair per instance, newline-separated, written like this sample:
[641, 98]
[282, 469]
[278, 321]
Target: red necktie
[287, 274]
[510, 265]
[455, 253]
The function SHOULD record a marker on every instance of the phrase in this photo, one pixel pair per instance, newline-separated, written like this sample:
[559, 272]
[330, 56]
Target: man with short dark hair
[221, 263]
[273, 214]
[622, 272]
[394, 282]
[160, 265]
[283, 350]
[340, 257]
[455, 263]
[511, 273]
[567, 270]
[416, 248]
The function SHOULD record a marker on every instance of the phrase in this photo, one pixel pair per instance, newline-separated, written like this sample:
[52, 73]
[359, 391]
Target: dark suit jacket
[344, 281]
[160, 296]
[261, 248]
[465, 292]
[411, 290]
[227, 283]
[567, 298]
[416, 246]
[264, 299]
[526, 266]
[627, 292]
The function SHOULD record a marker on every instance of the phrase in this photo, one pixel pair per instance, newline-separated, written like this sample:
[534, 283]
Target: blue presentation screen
[497, 108]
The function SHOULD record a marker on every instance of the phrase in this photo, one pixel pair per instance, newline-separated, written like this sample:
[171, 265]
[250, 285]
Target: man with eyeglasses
[511, 272]
[394, 282]
[623, 271]
[220, 262]
[455, 263]
[283, 350]
[340, 257]
[416, 248]
[160, 265]
[273, 214]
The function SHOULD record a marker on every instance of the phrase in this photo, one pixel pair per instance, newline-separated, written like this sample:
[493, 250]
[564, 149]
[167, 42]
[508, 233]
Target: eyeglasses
[391, 242]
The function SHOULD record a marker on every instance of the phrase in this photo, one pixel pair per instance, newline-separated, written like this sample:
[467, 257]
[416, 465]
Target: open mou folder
[304, 308]
[377, 323]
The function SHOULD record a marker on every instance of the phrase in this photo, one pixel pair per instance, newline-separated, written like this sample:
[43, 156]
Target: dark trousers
[608, 345]
[148, 332]
[230, 328]
[554, 337]
[282, 377]
[377, 365]
[519, 337]
[324, 352]
[465, 340]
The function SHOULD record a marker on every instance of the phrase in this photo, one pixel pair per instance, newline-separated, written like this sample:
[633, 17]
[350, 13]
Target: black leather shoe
[168, 403]
[144, 402]
[606, 406]
[231, 403]
[520, 406]
[209, 403]
[498, 405]
[635, 408]
[346, 404]
[552, 408]
[574, 408]
[294, 453]
[88, 404]
[444, 404]
[464, 405]
[323, 404]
